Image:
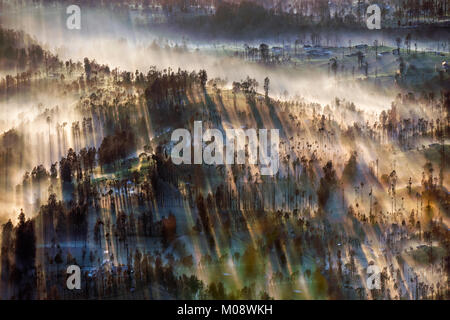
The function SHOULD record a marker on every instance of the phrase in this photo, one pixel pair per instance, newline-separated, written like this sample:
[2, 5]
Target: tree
[203, 213]
[6, 254]
[25, 256]
[360, 56]
[203, 76]
[408, 43]
[87, 68]
[398, 42]
[25, 245]
[375, 44]
[327, 184]
[266, 87]
[264, 51]
[169, 229]
[334, 65]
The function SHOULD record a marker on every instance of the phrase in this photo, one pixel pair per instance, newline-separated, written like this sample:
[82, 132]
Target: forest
[87, 177]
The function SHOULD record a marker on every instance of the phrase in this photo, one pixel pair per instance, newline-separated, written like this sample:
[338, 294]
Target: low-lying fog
[116, 41]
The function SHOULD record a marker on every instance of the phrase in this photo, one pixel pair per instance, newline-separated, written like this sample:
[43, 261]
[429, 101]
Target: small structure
[277, 51]
[384, 53]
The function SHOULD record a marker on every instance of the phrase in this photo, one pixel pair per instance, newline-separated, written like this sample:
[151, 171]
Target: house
[318, 53]
[384, 53]
[277, 51]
